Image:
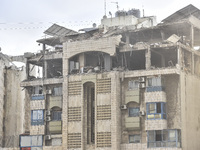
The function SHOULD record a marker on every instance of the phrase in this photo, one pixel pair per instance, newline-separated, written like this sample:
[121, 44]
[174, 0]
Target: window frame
[162, 114]
[163, 143]
[32, 144]
[133, 108]
[134, 84]
[154, 81]
[134, 135]
[58, 119]
[59, 93]
[37, 121]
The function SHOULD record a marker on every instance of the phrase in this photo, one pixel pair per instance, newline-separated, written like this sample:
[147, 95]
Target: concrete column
[27, 69]
[127, 41]
[45, 69]
[179, 56]
[162, 35]
[107, 62]
[148, 58]
[82, 60]
[192, 36]
[115, 111]
[65, 114]
[193, 63]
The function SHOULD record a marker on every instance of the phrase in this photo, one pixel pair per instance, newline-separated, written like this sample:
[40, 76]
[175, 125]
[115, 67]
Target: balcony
[158, 96]
[55, 127]
[132, 123]
[55, 101]
[132, 96]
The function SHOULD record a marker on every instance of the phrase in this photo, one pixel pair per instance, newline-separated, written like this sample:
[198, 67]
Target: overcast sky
[22, 22]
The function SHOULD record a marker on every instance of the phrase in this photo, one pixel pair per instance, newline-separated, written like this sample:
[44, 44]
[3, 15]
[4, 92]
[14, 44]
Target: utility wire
[40, 27]
[65, 22]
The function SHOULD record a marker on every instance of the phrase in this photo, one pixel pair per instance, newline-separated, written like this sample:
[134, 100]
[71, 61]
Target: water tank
[121, 13]
[134, 12]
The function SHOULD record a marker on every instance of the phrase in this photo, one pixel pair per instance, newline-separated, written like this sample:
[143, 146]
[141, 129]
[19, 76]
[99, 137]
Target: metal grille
[74, 88]
[104, 85]
[74, 140]
[74, 114]
[104, 112]
[103, 139]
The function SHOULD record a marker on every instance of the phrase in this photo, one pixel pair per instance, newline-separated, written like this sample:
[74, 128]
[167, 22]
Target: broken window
[37, 93]
[54, 68]
[132, 60]
[163, 138]
[187, 61]
[90, 62]
[133, 112]
[133, 84]
[37, 90]
[134, 138]
[163, 58]
[57, 91]
[37, 117]
[156, 110]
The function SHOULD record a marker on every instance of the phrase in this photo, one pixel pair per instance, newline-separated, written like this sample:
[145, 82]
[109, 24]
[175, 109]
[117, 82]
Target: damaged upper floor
[124, 47]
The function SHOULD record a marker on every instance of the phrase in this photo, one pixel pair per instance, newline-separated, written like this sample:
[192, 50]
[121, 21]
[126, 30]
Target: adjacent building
[129, 84]
[13, 101]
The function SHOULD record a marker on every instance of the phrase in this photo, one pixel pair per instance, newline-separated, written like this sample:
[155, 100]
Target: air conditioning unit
[123, 107]
[48, 112]
[47, 137]
[48, 118]
[141, 79]
[142, 85]
[48, 92]
[142, 113]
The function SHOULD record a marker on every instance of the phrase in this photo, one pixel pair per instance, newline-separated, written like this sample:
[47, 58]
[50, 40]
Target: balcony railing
[37, 97]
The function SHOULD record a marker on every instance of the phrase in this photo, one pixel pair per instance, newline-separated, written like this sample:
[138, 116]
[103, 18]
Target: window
[156, 110]
[34, 141]
[156, 81]
[56, 115]
[164, 138]
[57, 91]
[133, 112]
[37, 117]
[133, 85]
[134, 138]
[37, 90]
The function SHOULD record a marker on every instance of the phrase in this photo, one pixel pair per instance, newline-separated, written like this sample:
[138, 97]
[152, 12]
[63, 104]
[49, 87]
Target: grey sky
[22, 22]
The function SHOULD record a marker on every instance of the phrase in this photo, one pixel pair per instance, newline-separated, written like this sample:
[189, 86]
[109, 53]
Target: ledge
[41, 82]
[158, 71]
[156, 124]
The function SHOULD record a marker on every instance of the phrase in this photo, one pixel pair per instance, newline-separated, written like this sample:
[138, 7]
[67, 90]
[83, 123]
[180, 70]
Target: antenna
[105, 6]
[116, 4]
[143, 9]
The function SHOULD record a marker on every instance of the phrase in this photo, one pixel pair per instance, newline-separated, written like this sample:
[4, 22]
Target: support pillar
[148, 58]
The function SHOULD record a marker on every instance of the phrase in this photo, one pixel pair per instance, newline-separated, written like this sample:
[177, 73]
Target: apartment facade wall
[189, 110]
[2, 87]
[14, 107]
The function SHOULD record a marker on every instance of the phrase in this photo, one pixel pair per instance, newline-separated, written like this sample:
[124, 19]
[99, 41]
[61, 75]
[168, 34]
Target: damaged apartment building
[12, 101]
[129, 84]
